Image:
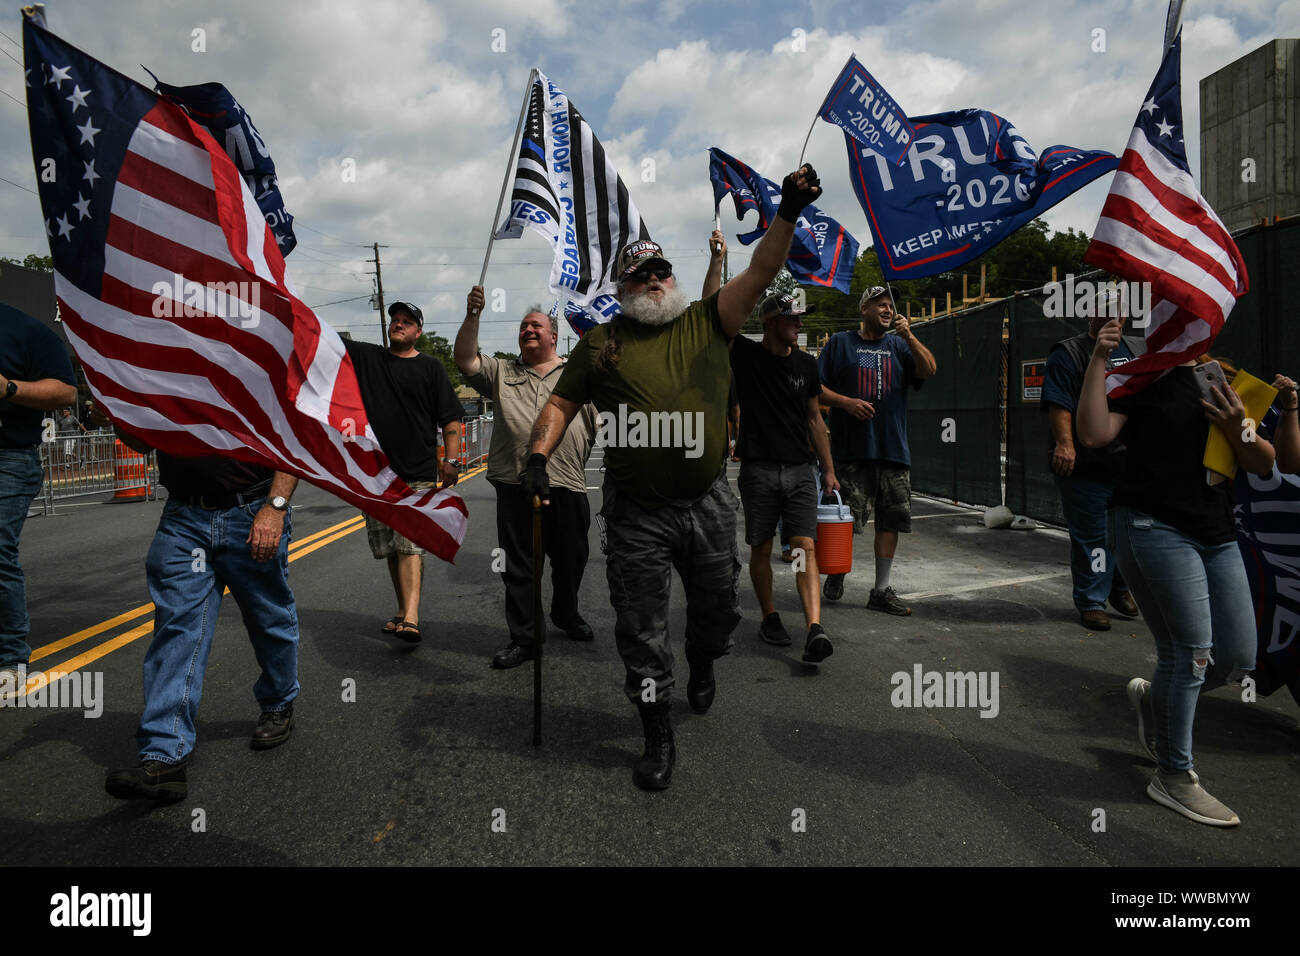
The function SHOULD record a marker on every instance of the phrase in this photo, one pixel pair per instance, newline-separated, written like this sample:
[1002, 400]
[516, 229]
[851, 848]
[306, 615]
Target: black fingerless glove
[534, 480]
[793, 199]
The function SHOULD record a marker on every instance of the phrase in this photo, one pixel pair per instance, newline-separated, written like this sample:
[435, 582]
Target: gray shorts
[771, 492]
[384, 541]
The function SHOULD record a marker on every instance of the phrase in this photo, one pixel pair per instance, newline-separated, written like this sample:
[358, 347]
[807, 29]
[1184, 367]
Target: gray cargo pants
[699, 540]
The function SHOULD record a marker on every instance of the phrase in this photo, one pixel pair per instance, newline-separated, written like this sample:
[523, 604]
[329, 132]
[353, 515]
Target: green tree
[505, 356]
[431, 343]
[33, 261]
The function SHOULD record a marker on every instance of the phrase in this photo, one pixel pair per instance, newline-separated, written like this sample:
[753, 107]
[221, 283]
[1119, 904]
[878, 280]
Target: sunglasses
[645, 275]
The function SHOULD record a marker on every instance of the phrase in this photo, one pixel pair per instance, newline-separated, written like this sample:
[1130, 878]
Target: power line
[11, 39]
[303, 225]
[15, 99]
[12, 57]
[24, 188]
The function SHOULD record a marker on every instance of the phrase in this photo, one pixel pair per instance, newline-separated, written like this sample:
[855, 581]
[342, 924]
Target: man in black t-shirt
[35, 378]
[226, 523]
[408, 397]
[1085, 477]
[778, 388]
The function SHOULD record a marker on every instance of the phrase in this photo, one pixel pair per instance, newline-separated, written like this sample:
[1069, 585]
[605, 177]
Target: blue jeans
[20, 480]
[1084, 502]
[195, 555]
[1196, 600]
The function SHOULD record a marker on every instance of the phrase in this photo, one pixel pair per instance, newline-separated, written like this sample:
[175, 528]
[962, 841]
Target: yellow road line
[45, 650]
[298, 549]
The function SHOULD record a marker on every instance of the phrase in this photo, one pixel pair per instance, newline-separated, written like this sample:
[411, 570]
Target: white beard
[640, 307]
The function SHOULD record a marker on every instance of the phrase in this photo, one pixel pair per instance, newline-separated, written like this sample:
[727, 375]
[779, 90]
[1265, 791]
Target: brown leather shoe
[1123, 602]
[1094, 620]
[273, 728]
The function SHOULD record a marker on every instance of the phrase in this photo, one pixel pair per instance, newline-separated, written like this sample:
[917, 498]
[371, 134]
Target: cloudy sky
[423, 99]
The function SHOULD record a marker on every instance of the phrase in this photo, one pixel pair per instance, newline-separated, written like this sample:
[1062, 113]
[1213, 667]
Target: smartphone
[1208, 375]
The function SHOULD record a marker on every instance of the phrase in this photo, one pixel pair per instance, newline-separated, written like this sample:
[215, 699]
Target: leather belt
[226, 501]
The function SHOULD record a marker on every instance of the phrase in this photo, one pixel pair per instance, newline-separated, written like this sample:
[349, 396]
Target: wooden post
[1053, 275]
[983, 270]
[947, 309]
[964, 291]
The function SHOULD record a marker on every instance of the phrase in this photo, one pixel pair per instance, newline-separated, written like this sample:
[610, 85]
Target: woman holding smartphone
[1173, 538]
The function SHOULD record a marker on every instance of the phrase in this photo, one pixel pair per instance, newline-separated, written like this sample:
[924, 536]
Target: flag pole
[505, 180]
[819, 112]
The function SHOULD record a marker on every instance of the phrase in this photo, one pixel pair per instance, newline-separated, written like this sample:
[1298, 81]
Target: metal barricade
[476, 440]
[94, 463]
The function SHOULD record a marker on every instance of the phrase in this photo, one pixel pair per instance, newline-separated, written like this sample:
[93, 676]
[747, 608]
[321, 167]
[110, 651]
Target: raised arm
[738, 297]
[1097, 425]
[925, 363]
[465, 350]
[713, 278]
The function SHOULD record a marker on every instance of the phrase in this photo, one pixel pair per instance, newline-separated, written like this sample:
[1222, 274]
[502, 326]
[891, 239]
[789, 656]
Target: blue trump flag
[968, 182]
[213, 107]
[822, 252]
[860, 106]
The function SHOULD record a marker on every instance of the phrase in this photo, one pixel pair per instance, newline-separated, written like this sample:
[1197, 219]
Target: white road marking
[1002, 583]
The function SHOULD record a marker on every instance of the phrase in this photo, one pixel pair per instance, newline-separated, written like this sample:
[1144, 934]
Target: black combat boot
[700, 685]
[655, 768]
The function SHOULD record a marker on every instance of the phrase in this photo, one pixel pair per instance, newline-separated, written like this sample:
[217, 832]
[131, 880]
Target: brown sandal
[408, 632]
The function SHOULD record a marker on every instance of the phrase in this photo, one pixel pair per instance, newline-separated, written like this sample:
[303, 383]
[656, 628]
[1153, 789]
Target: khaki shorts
[880, 484]
[384, 541]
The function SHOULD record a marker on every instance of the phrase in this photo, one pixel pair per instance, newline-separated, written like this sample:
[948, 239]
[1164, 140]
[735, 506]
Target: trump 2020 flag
[1156, 227]
[567, 190]
[213, 107]
[172, 292]
[859, 105]
[968, 181]
[822, 252]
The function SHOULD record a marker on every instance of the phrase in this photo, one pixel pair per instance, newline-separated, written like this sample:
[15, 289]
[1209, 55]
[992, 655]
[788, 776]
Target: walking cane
[539, 622]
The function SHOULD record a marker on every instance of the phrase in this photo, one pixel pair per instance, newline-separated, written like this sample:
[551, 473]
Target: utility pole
[379, 294]
[567, 339]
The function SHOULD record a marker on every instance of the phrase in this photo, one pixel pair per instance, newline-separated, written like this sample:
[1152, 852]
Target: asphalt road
[795, 764]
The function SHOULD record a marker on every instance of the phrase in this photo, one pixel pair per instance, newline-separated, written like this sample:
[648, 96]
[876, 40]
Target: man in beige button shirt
[518, 389]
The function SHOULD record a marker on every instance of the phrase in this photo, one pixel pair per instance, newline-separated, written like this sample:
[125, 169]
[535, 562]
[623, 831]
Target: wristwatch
[11, 389]
[279, 503]
[454, 462]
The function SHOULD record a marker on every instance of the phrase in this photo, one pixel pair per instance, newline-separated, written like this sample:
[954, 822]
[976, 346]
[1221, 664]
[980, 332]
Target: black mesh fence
[954, 421]
[1030, 490]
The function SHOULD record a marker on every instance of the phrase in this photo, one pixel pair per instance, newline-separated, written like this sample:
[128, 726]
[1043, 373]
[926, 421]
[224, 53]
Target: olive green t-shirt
[663, 409]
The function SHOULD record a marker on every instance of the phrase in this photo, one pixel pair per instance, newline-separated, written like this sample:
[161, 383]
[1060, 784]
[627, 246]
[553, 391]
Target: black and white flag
[567, 189]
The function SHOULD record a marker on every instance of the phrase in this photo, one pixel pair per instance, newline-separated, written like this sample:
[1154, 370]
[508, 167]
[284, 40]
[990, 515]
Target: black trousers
[565, 523]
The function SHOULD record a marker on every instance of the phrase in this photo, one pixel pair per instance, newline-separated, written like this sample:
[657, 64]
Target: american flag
[875, 374]
[567, 189]
[1156, 227]
[173, 294]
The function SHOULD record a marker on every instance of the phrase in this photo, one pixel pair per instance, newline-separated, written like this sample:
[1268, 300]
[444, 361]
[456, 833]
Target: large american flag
[173, 294]
[1156, 227]
[568, 190]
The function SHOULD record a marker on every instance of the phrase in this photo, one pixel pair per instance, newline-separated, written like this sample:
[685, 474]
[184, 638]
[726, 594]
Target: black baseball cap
[411, 310]
[785, 303]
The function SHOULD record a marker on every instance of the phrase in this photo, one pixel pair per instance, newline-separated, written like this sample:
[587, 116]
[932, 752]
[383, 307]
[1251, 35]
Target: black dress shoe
[512, 655]
[654, 771]
[273, 728]
[152, 780]
[578, 630]
[701, 687]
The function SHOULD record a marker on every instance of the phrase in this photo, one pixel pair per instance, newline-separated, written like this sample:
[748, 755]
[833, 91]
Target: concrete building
[1250, 127]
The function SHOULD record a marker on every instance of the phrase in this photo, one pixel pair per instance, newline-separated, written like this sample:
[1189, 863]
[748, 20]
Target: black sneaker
[888, 602]
[833, 589]
[152, 780]
[818, 646]
[773, 631]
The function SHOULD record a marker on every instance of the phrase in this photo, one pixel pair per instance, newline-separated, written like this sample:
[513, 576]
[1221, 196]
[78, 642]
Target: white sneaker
[1139, 695]
[1182, 791]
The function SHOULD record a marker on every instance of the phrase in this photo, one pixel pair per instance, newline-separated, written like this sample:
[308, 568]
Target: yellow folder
[1257, 395]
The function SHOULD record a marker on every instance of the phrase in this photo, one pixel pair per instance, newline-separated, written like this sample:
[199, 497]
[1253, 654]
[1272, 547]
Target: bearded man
[659, 376]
